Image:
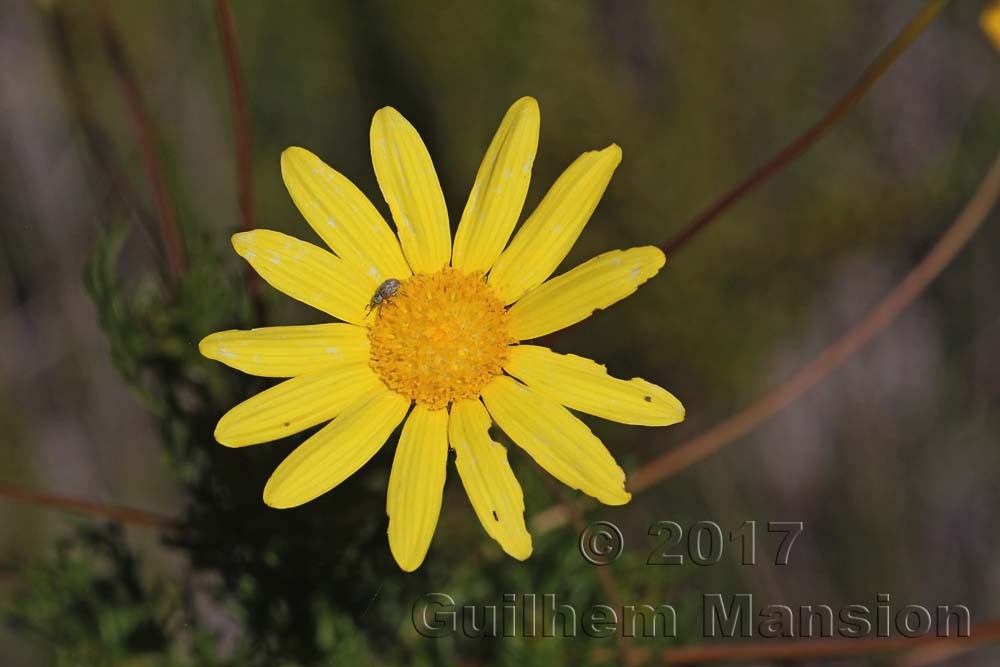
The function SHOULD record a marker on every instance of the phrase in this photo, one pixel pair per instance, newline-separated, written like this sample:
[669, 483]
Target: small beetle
[384, 294]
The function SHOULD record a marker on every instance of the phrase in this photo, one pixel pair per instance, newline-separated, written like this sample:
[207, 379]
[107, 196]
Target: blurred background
[891, 463]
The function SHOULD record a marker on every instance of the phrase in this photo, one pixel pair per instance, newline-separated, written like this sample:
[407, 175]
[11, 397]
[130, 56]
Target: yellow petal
[307, 273]
[576, 294]
[296, 404]
[488, 479]
[989, 21]
[581, 384]
[498, 194]
[558, 441]
[410, 185]
[547, 236]
[342, 216]
[336, 451]
[283, 352]
[416, 485]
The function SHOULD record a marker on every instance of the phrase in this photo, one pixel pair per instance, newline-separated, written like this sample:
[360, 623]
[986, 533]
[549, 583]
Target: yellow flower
[446, 342]
[989, 20]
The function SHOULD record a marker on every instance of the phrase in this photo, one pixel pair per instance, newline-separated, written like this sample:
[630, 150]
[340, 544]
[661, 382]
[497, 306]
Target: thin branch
[82, 111]
[873, 73]
[143, 126]
[934, 654]
[877, 319]
[87, 507]
[224, 19]
[244, 171]
[829, 360]
[986, 632]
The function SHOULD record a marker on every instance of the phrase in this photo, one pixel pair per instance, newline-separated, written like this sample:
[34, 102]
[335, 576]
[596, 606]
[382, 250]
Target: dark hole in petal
[495, 517]
[648, 399]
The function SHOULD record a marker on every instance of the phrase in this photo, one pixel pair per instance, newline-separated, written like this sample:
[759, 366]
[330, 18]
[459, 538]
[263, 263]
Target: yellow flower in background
[989, 20]
[445, 340]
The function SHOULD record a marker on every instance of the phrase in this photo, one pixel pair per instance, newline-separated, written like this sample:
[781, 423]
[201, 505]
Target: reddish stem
[143, 126]
[873, 73]
[244, 170]
[88, 507]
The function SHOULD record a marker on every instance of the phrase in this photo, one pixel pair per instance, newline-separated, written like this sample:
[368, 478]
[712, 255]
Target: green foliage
[90, 605]
[310, 586]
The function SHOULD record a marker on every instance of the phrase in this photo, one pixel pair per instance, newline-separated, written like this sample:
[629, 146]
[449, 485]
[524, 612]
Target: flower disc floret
[441, 338]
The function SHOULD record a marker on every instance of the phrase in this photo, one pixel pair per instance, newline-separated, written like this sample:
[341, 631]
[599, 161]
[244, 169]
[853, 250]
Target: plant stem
[797, 147]
[88, 507]
[244, 171]
[173, 245]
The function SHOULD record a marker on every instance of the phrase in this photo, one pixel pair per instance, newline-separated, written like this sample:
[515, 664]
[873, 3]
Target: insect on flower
[384, 294]
[450, 358]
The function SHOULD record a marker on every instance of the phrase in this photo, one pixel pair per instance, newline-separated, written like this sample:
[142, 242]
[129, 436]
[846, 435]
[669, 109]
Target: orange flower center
[440, 338]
